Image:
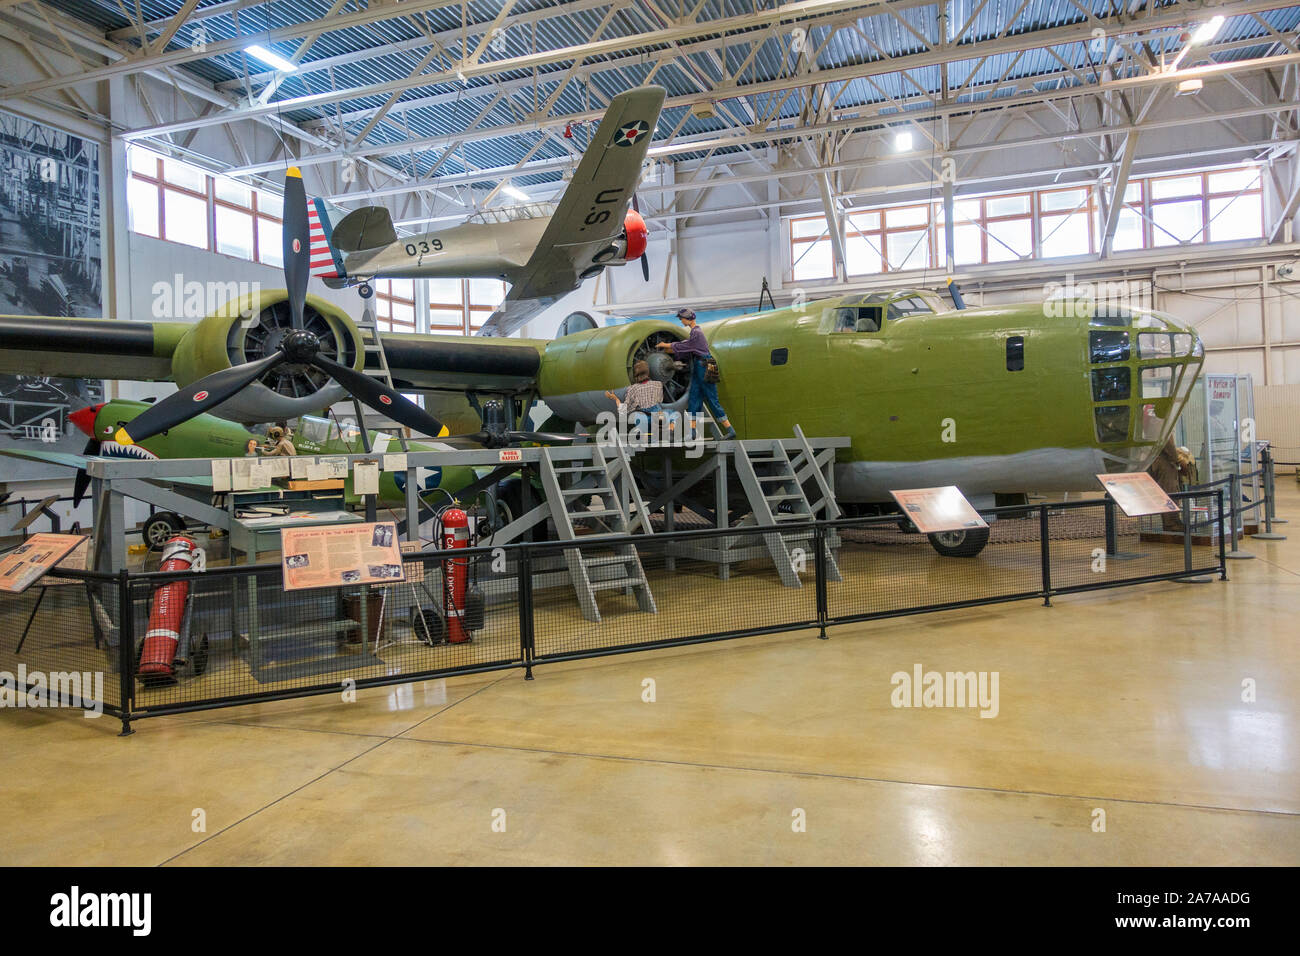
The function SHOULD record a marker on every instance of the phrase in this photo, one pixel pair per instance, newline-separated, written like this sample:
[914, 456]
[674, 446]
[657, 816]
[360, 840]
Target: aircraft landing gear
[365, 291]
[960, 544]
[159, 529]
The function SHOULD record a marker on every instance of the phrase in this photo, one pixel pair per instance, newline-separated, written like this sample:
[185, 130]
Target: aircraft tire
[159, 527]
[365, 291]
[510, 491]
[960, 544]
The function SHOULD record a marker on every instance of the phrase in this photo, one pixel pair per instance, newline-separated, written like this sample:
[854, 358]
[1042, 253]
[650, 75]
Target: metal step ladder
[774, 484]
[372, 344]
[608, 478]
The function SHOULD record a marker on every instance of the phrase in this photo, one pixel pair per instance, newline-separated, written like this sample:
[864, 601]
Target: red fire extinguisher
[455, 574]
[159, 652]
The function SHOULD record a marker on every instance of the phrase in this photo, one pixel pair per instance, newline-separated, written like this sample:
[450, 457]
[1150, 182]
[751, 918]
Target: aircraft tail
[326, 262]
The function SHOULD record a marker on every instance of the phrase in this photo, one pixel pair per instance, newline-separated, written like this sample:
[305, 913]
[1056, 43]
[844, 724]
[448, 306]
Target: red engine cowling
[629, 246]
[635, 236]
[158, 655]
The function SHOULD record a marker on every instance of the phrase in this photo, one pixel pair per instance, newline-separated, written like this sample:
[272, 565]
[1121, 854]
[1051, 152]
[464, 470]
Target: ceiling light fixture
[271, 58]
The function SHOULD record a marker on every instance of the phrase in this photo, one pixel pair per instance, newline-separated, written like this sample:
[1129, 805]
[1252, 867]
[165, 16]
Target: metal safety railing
[243, 638]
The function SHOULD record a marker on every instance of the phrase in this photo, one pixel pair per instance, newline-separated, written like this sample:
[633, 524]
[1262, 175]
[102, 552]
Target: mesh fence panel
[64, 629]
[884, 569]
[695, 585]
[1083, 555]
[243, 634]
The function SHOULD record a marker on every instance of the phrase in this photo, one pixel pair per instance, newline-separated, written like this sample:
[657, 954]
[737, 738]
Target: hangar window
[1111, 384]
[394, 304]
[461, 306]
[1112, 423]
[1016, 353]
[1108, 347]
[1065, 222]
[171, 200]
[810, 249]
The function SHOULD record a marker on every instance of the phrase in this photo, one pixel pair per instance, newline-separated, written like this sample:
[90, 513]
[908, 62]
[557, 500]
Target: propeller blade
[297, 243]
[194, 400]
[82, 481]
[645, 267]
[370, 391]
[542, 437]
[635, 204]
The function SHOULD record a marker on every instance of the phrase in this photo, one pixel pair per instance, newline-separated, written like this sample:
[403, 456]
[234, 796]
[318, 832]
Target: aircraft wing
[65, 459]
[87, 348]
[78, 463]
[590, 214]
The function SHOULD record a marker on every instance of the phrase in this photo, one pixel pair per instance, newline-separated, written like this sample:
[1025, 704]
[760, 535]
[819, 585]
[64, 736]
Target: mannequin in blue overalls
[696, 351]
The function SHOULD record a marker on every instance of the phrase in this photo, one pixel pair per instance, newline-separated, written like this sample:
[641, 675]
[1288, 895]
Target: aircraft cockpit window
[1108, 346]
[1103, 314]
[314, 430]
[864, 318]
[913, 305]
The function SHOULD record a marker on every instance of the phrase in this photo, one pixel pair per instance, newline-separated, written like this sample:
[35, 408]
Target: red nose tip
[84, 418]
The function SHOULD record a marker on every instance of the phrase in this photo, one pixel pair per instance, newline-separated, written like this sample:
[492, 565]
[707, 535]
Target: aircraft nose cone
[84, 418]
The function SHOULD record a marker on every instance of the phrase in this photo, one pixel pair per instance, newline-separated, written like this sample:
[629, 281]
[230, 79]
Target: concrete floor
[1126, 701]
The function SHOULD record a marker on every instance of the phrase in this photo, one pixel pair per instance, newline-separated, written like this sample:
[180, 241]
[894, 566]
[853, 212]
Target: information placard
[938, 509]
[327, 556]
[1137, 494]
[26, 564]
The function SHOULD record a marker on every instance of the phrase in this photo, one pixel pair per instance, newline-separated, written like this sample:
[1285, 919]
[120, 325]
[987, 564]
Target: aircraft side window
[1015, 353]
[1111, 384]
[1112, 423]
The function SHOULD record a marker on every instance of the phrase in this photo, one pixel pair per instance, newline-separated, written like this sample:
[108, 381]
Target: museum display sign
[30, 561]
[1137, 494]
[320, 557]
[933, 510]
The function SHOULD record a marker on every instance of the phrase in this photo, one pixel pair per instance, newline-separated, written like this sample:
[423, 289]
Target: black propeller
[645, 261]
[82, 481]
[299, 347]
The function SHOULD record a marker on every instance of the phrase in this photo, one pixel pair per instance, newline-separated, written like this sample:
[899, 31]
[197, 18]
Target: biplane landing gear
[365, 291]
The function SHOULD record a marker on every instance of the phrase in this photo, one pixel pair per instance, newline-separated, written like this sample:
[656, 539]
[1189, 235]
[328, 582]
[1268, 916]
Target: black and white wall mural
[50, 264]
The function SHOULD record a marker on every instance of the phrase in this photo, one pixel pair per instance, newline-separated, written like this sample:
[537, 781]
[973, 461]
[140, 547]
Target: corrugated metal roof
[390, 50]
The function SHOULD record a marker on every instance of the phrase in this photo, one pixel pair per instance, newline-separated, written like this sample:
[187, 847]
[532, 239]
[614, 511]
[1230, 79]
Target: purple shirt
[695, 346]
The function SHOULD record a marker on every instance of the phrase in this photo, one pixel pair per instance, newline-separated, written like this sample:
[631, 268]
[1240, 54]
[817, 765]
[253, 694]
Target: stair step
[608, 559]
[597, 490]
[776, 478]
[798, 516]
[634, 582]
[575, 469]
[598, 513]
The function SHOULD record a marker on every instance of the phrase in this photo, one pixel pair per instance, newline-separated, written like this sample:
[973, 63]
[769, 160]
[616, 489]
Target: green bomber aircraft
[1000, 401]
